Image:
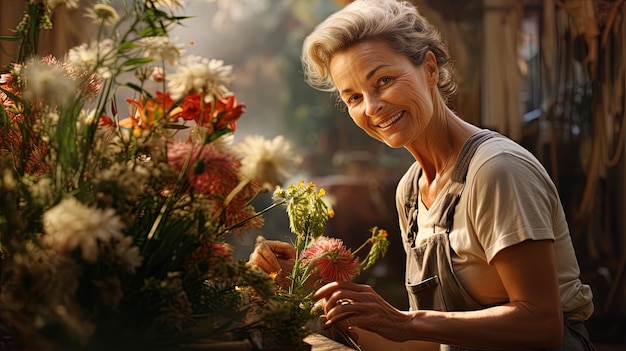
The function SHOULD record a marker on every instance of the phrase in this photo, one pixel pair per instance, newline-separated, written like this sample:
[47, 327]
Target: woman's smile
[390, 121]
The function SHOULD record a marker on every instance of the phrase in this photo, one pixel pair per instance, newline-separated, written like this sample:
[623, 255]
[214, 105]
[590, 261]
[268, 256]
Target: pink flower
[330, 259]
[211, 171]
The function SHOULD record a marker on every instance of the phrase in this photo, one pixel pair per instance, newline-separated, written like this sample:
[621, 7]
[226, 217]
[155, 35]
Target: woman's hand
[351, 306]
[274, 257]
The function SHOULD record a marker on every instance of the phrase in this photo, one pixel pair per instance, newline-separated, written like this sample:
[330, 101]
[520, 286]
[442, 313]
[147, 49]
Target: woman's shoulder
[504, 164]
[501, 155]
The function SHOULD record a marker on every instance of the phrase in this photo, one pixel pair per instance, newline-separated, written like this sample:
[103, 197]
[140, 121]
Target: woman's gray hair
[398, 23]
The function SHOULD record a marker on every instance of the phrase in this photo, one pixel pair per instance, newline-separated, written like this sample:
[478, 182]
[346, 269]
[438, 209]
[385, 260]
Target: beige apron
[430, 280]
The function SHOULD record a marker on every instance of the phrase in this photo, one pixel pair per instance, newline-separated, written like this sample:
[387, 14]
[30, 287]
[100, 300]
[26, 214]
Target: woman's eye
[385, 80]
[353, 98]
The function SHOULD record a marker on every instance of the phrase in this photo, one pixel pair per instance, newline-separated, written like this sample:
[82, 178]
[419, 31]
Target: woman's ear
[432, 70]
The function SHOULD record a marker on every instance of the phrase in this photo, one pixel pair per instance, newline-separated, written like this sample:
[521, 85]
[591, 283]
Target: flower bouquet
[113, 225]
[320, 259]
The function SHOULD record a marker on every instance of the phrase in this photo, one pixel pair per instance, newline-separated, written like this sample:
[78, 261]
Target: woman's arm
[531, 319]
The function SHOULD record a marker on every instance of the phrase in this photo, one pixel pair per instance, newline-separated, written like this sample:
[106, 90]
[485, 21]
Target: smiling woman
[473, 207]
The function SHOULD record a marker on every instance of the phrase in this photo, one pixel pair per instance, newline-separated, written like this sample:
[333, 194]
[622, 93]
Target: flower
[213, 171]
[47, 82]
[127, 254]
[70, 225]
[159, 48]
[97, 57]
[269, 162]
[223, 115]
[103, 14]
[113, 227]
[200, 75]
[330, 259]
[157, 74]
[148, 112]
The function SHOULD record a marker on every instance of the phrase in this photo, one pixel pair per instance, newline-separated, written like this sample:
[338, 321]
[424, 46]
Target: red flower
[224, 115]
[227, 112]
[330, 259]
[211, 171]
[192, 106]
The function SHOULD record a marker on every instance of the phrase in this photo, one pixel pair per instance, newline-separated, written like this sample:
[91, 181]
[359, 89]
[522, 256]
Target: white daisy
[160, 48]
[269, 162]
[71, 225]
[201, 75]
[98, 57]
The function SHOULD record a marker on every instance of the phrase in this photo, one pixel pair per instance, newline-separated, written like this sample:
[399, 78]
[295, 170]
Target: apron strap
[459, 174]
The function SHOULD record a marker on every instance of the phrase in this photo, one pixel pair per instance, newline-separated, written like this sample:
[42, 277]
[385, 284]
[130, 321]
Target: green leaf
[218, 133]
[127, 45]
[152, 32]
[137, 62]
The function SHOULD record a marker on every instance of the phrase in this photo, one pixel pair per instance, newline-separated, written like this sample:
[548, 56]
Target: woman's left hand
[350, 306]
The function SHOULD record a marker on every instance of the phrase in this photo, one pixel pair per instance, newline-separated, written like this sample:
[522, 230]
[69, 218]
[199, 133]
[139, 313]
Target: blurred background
[550, 74]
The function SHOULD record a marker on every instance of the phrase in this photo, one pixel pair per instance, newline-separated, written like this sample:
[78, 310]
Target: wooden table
[322, 343]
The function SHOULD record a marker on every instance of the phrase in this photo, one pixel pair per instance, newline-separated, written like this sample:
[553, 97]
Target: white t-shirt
[508, 198]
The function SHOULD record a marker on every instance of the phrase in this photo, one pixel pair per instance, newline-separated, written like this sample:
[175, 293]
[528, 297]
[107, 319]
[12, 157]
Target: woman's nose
[373, 105]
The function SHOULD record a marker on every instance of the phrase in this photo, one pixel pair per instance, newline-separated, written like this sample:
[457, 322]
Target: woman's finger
[268, 256]
[282, 249]
[343, 314]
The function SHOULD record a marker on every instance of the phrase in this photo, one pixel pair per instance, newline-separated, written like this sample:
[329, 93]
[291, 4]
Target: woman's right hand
[274, 257]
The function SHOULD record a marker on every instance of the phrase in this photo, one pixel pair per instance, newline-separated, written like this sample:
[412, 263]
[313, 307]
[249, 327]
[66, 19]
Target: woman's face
[387, 96]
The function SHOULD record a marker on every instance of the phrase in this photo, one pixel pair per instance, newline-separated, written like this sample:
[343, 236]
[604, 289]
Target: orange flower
[149, 111]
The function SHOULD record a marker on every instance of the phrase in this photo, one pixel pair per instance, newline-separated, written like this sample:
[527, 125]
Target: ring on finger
[343, 302]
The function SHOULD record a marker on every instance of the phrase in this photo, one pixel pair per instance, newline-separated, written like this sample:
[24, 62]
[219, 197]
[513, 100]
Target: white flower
[99, 57]
[160, 48]
[200, 75]
[103, 14]
[128, 254]
[71, 224]
[48, 83]
[269, 162]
